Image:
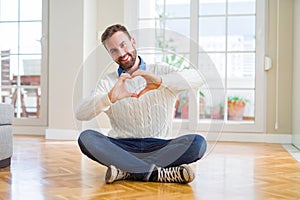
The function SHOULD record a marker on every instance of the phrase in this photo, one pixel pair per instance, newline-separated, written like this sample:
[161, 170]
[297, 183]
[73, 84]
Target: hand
[119, 91]
[152, 82]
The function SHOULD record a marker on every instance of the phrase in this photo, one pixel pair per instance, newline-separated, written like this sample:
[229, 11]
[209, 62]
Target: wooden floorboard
[43, 169]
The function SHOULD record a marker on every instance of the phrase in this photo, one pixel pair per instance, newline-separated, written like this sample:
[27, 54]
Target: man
[139, 101]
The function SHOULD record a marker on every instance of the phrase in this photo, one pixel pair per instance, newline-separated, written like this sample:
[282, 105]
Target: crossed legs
[140, 156]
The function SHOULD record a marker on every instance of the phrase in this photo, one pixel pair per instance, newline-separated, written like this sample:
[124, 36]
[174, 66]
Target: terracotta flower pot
[184, 111]
[236, 110]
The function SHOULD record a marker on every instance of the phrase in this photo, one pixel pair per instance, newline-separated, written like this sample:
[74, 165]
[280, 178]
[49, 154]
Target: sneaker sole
[188, 173]
[108, 176]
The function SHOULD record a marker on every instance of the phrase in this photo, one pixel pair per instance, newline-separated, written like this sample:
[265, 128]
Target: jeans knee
[86, 136]
[200, 144]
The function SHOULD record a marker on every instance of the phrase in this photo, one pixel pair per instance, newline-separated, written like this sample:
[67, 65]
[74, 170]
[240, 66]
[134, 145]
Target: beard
[126, 65]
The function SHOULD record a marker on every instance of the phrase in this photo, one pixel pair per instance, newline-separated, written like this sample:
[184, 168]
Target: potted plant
[184, 105]
[236, 107]
[202, 105]
[217, 111]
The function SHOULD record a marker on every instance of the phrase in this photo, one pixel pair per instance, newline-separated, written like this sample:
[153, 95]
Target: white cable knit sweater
[150, 115]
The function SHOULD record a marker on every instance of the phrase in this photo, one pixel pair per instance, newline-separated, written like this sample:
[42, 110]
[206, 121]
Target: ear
[133, 42]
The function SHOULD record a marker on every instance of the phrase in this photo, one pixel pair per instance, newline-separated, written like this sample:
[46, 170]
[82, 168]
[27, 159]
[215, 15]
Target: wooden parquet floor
[43, 170]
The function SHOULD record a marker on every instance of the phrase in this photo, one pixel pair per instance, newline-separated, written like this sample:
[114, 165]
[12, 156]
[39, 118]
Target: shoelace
[122, 175]
[171, 174]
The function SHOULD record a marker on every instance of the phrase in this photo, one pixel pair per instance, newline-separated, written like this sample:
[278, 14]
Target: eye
[113, 51]
[123, 44]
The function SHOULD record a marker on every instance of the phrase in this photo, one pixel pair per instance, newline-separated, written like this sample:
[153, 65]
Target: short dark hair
[109, 31]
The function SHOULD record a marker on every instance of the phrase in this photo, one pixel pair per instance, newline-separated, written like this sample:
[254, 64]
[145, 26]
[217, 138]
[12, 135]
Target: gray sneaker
[115, 174]
[179, 174]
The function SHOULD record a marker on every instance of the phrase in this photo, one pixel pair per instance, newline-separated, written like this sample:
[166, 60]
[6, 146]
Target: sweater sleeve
[178, 81]
[97, 102]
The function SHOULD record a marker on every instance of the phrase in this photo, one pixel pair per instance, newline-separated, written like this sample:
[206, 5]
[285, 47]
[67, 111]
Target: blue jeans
[138, 156]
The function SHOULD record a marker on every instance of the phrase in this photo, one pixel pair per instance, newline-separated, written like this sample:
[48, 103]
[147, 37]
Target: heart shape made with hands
[135, 85]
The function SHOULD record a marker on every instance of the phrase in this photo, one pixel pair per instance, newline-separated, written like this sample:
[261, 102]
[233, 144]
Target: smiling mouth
[126, 58]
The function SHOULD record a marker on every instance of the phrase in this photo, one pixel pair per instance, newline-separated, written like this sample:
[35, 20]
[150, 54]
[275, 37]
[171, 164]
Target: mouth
[126, 58]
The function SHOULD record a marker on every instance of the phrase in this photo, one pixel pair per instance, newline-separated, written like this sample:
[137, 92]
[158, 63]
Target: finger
[142, 92]
[134, 95]
[138, 73]
[125, 76]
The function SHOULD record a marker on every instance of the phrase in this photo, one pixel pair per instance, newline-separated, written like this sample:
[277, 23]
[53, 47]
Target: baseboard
[61, 134]
[29, 130]
[254, 137]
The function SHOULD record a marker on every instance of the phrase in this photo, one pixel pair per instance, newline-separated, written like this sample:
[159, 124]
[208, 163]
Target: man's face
[121, 49]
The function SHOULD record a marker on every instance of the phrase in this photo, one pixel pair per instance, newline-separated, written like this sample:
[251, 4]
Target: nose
[122, 52]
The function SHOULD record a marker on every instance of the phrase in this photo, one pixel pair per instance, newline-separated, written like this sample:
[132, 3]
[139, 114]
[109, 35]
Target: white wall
[97, 61]
[296, 74]
[65, 57]
[73, 29]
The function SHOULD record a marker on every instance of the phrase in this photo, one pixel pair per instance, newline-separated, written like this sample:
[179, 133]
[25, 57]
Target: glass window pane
[181, 26]
[176, 36]
[212, 33]
[5, 75]
[6, 94]
[160, 8]
[30, 65]
[208, 7]
[241, 33]
[30, 10]
[218, 60]
[26, 101]
[9, 37]
[211, 74]
[240, 105]
[150, 58]
[211, 104]
[14, 67]
[9, 10]
[26, 68]
[30, 35]
[148, 9]
[241, 6]
[31, 102]
[177, 60]
[177, 8]
[241, 70]
[181, 110]
[147, 24]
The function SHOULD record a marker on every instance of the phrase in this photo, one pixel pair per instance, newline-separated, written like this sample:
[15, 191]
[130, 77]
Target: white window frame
[194, 123]
[43, 118]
